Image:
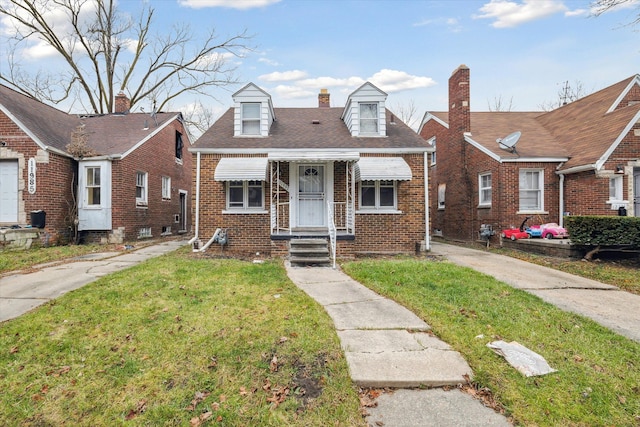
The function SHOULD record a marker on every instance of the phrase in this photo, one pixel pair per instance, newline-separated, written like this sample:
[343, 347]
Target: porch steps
[309, 252]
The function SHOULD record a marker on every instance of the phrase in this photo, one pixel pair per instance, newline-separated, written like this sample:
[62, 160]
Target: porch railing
[332, 233]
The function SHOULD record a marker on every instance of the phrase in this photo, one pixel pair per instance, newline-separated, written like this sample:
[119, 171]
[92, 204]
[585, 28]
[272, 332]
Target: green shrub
[604, 230]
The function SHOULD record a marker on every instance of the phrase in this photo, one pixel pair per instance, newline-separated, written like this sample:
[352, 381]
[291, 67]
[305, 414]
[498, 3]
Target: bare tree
[599, 7]
[566, 94]
[406, 112]
[106, 51]
[500, 104]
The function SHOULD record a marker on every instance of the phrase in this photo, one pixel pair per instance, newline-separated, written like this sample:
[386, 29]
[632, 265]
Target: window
[244, 195]
[442, 188]
[531, 184]
[433, 154]
[615, 188]
[166, 187]
[484, 186]
[179, 145]
[251, 118]
[368, 118]
[93, 186]
[141, 188]
[144, 232]
[378, 195]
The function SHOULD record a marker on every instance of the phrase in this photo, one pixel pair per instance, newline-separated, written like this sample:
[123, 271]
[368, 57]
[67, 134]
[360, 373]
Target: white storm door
[311, 196]
[9, 191]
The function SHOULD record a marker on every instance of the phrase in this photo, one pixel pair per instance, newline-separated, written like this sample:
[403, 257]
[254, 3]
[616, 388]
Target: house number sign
[32, 176]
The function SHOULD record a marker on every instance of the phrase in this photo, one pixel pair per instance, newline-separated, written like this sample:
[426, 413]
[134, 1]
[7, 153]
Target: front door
[311, 196]
[9, 191]
[636, 191]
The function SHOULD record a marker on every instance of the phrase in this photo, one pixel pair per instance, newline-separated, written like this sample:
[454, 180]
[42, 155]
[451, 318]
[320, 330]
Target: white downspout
[427, 240]
[561, 200]
[195, 237]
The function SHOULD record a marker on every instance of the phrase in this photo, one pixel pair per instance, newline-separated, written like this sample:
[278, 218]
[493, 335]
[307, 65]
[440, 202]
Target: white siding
[252, 93]
[367, 93]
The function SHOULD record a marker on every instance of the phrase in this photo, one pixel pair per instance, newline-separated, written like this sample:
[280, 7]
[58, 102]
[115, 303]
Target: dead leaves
[273, 365]
[140, 407]
[278, 393]
[198, 397]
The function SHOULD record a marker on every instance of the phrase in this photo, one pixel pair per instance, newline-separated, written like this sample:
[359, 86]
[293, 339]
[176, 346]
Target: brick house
[498, 168]
[115, 177]
[269, 176]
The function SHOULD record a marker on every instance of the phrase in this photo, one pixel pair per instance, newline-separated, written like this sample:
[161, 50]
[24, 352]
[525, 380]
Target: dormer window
[368, 118]
[251, 118]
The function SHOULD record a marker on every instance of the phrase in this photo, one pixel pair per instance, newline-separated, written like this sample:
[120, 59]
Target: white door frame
[294, 184]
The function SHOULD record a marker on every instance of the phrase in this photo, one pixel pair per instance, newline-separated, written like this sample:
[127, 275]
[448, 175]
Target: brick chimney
[122, 103]
[323, 99]
[459, 99]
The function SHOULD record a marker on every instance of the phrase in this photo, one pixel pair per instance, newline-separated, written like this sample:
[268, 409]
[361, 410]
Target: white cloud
[395, 81]
[326, 82]
[509, 14]
[268, 61]
[231, 4]
[293, 92]
[283, 76]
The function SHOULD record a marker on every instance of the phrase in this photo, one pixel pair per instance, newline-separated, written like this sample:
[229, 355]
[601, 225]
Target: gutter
[427, 241]
[561, 201]
[197, 225]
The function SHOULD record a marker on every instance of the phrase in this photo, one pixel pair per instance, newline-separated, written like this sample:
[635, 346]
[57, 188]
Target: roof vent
[315, 122]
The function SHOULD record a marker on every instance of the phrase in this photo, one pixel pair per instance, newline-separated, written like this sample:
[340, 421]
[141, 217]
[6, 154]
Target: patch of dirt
[309, 380]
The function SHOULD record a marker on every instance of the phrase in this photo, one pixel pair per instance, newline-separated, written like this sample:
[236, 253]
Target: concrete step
[307, 242]
[309, 260]
[305, 250]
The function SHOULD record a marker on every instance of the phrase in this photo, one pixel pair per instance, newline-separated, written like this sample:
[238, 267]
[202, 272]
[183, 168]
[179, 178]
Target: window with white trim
[245, 195]
[442, 189]
[93, 186]
[615, 188]
[433, 153]
[531, 183]
[166, 187]
[250, 118]
[368, 117]
[379, 195]
[144, 232]
[484, 189]
[141, 188]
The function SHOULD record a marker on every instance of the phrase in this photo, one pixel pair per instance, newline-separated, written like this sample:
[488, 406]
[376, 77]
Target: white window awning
[382, 168]
[296, 156]
[241, 169]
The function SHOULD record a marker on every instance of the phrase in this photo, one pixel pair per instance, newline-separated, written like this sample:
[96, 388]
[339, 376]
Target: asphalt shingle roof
[294, 129]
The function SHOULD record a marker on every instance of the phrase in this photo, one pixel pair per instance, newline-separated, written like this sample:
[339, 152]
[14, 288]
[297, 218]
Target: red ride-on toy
[516, 233]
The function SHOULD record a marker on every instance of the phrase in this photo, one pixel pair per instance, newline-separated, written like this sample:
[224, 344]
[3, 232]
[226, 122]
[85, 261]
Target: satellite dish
[509, 142]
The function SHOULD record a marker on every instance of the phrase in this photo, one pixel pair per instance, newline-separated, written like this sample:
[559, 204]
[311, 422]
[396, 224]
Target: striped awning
[382, 168]
[241, 169]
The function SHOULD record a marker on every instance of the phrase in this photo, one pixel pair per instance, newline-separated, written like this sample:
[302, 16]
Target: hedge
[604, 230]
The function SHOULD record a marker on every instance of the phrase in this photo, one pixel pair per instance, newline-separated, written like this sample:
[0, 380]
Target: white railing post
[332, 233]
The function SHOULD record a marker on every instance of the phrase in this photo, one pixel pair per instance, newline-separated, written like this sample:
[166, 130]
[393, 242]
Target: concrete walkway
[21, 292]
[387, 345]
[605, 304]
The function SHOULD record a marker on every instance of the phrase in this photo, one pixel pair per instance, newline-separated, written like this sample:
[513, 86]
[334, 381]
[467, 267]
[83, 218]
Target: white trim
[481, 147]
[151, 135]
[535, 160]
[540, 172]
[576, 169]
[634, 81]
[601, 161]
[484, 204]
[304, 156]
[427, 117]
[390, 150]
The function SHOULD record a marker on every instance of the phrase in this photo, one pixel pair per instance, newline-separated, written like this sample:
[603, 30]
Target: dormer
[364, 112]
[253, 112]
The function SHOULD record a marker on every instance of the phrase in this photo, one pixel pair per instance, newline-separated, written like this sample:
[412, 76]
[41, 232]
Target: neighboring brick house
[115, 177]
[498, 168]
[269, 175]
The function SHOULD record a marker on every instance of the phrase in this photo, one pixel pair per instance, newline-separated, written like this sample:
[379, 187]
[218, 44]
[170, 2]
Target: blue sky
[520, 51]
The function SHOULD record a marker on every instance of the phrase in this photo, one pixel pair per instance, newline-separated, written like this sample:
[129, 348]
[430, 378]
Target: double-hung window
[380, 195]
[93, 186]
[141, 188]
[166, 187]
[484, 189]
[251, 118]
[531, 185]
[246, 195]
[368, 118]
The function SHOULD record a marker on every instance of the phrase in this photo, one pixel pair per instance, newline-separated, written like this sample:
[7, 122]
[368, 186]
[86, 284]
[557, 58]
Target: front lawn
[177, 341]
[598, 378]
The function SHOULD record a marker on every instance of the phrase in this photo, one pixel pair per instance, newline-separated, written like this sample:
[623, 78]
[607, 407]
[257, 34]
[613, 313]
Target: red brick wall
[53, 181]
[250, 233]
[157, 158]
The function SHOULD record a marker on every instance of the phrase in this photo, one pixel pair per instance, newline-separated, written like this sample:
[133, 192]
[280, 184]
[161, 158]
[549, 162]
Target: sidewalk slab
[374, 314]
[339, 292]
[432, 408]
